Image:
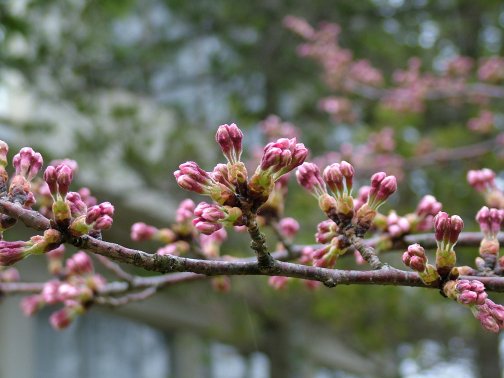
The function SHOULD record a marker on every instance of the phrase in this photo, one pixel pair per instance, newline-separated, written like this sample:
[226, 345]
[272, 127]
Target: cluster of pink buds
[483, 181]
[490, 315]
[278, 282]
[326, 231]
[86, 220]
[396, 225]
[278, 158]
[382, 187]
[288, 227]
[13, 251]
[326, 256]
[466, 292]
[76, 290]
[427, 209]
[27, 164]
[339, 178]
[176, 248]
[143, 232]
[416, 259]
[191, 177]
[447, 230]
[211, 217]
[229, 137]
[490, 221]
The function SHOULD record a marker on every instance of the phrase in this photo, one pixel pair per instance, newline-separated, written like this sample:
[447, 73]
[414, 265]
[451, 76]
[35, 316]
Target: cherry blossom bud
[191, 177]
[50, 177]
[80, 264]
[447, 229]
[103, 223]
[27, 163]
[32, 304]
[278, 282]
[64, 176]
[326, 230]
[76, 204]
[185, 211]
[13, 251]
[282, 156]
[50, 292]
[482, 180]
[230, 138]
[208, 217]
[490, 221]
[470, 292]
[175, 249]
[308, 176]
[334, 178]
[382, 187]
[428, 205]
[61, 319]
[415, 257]
[289, 227]
[141, 231]
[490, 315]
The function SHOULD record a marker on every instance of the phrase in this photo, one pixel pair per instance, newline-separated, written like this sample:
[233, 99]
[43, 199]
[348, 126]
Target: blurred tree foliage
[216, 61]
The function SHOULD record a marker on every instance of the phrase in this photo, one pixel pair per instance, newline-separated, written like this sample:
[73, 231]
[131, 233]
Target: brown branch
[116, 269]
[193, 269]
[121, 301]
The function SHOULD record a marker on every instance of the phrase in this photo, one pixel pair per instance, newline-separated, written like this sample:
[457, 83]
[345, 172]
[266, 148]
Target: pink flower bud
[470, 292]
[31, 304]
[104, 222]
[76, 204]
[61, 319]
[334, 178]
[208, 218]
[482, 180]
[278, 282]
[185, 211]
[50, 293]
[415, 258]
[64, 176]
[80, 264]
[289, 227]
[12, 251]
[362, 197]
[191, 177]
[490, 315]
[141, 231]
[283, 156]
[382, 187]
[428, 205]
[447, 230]
[490, 221]
[348, 172]
[27, 163]
[308, 176]
[93, 213]
[326, 230]
[50, 177]
[230, 138]
[106, 208]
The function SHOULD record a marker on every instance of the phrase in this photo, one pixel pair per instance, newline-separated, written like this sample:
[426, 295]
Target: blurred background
[130, 89]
